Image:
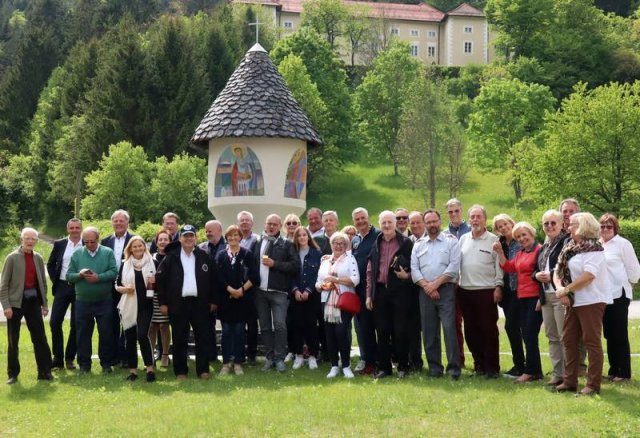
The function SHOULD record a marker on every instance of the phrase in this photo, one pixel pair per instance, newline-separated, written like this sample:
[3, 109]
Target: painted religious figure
[239, 173]
[295, 185]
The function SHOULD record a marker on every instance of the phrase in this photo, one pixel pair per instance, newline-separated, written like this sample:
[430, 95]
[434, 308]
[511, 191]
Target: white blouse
[346, 266]
[622, 265]
[599, 290]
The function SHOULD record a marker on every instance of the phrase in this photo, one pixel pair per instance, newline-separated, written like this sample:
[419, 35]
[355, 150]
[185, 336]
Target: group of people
[403, 284]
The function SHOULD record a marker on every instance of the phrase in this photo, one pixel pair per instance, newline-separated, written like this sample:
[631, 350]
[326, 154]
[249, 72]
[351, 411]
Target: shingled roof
[255, 103]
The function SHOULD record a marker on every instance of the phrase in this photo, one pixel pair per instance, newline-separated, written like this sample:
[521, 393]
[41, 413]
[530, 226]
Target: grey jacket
[12, 280]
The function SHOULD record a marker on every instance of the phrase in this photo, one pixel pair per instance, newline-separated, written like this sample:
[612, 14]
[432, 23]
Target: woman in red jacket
[523, 264]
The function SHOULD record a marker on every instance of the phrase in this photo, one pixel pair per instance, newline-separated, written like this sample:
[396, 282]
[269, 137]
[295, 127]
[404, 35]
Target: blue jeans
[86, 313]
[232, 342]
[272, 314]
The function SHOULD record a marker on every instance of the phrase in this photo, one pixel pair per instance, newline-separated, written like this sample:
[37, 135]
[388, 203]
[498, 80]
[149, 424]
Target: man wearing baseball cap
[185, 282]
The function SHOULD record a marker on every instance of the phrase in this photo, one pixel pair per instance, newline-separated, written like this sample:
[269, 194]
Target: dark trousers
[530, 322]
[322, 334]
[139, 334]
[118, 350]
[615, 327]
[232, 342]
[339, 340]
[415, 334]
[393, 325]
[513, 327]
[459, 331]
[32, 313]
[480, 315]
[213, 336]
[102, 313]
[367, 331]
[304, 328]
[252, 330]
[195, 315]
[64, 297]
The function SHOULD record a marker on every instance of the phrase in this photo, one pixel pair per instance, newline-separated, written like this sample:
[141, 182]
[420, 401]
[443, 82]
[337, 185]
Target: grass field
[306, 403]
[376, 189]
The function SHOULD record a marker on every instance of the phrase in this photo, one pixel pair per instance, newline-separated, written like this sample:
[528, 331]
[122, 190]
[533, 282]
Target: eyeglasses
[291, 223]
[606, 227]
[550, 224]
[402, 218]
[339, 243]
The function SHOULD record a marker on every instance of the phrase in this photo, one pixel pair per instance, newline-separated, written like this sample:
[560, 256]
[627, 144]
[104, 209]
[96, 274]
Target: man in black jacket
[63, 295]
[278, 263]
[186, 282]
[391, 295]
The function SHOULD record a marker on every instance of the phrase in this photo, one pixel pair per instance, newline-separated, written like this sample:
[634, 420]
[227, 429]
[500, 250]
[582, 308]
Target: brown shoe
[586, 391]
[526, 378]
[563, 387]
[620, 380]
[204, 376]
[225, 369]
[555, 381]
[181, 377]
[164, 361]
[237, 368]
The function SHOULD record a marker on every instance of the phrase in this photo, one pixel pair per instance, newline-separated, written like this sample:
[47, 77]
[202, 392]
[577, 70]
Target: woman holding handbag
[338, 276]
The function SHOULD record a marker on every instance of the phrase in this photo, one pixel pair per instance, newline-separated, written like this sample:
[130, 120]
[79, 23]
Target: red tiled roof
[419, 12]
[466, 10]
[258, 2]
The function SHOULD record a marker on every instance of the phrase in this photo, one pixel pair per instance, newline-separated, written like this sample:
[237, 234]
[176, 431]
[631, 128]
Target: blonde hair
[501, 217]
[588, 225]
[127, 249]
[523, 225]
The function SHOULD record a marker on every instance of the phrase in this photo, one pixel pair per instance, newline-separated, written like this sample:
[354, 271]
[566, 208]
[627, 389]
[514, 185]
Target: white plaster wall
[274, 155]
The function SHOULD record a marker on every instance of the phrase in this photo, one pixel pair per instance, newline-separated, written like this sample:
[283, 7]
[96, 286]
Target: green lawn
[375, 188]
[306, 403]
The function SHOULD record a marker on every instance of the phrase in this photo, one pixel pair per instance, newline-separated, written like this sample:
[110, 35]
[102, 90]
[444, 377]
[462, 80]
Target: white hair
[359, 210]
[27, 230]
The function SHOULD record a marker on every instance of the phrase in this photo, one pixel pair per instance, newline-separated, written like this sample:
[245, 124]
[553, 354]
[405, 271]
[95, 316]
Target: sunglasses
[291, 223]
[606, 227]
[402, 218]
[550, 224]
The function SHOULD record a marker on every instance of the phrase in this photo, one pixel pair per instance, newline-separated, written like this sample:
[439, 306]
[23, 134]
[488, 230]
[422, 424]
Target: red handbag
[349, 303]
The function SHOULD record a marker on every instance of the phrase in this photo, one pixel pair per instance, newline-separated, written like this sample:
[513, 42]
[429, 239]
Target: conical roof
[256, 103]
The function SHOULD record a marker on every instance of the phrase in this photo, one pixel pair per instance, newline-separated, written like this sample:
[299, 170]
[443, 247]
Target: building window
[431, 51]
[468, 47]
[414, 49]
[432, 34]
[468, 29]
[288, 25]
[395, 31]
[415, 33]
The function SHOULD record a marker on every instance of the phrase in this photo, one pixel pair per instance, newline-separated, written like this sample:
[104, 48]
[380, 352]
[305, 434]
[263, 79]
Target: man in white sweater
[480, 291]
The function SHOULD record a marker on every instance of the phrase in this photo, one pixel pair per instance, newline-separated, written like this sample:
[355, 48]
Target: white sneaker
[297, 364]
[313, 363]
[288, 357]
[348, 374]
[360, 366]
[333, 373]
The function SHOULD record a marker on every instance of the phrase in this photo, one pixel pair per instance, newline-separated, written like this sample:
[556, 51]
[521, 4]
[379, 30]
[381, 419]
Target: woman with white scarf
[338, 274]
[135, 282]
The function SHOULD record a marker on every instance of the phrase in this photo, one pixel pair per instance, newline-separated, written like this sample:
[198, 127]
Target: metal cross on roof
[257, 25]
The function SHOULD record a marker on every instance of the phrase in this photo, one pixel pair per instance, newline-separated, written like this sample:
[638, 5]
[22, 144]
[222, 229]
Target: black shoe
[71, 365]
[45, 376]
[132, 377]
[251, 361]
[455, 376]
[83, 371]
[381, 375]
[11, 380]
[513, 373]
[492, 375]
[107, 370]
[435, 375]
[151, 377]
[478, 374]
[57, 365]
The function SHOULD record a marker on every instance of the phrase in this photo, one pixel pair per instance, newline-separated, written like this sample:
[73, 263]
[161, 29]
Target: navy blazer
[54, 264]
[111, 240]
[306, 279]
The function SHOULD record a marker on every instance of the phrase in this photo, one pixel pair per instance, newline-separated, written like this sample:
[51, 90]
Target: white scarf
[128, 305]
[331, 312]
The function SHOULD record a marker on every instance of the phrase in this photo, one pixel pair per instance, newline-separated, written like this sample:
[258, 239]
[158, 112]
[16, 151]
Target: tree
[506, 112]
[306, 92]
[179, 185]
[593, 150]
[327, 72]
[357, 29]
[327, 17]
[428, 132]
[380, 97]
[121, 181]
